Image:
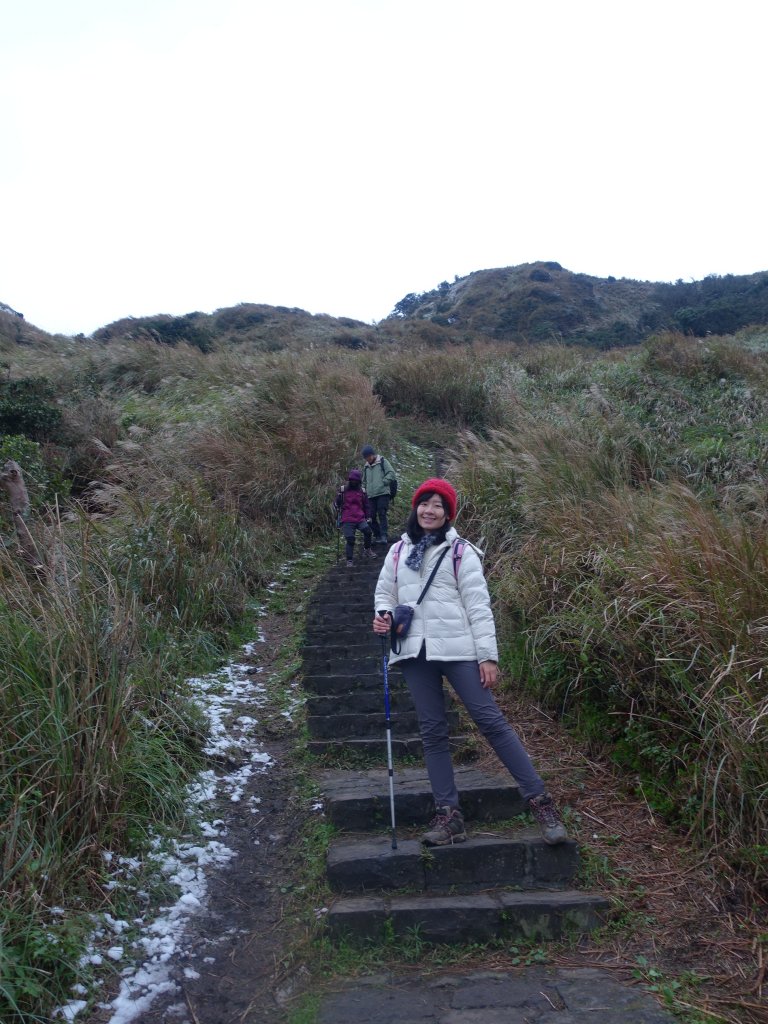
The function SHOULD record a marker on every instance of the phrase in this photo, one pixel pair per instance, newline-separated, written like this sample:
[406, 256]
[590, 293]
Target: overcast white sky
[165, 156]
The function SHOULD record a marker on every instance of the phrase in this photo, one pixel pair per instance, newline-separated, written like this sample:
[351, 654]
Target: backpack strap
[458, 551]
[396, 555]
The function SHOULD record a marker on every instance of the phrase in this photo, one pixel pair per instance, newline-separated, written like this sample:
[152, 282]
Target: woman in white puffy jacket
[452, 634]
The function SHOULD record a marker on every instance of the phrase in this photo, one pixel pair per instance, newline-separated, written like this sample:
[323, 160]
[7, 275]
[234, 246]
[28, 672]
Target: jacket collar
[450, 536]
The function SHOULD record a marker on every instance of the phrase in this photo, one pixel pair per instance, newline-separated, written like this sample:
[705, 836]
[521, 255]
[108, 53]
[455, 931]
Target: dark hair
[354, 485]
[416, 532]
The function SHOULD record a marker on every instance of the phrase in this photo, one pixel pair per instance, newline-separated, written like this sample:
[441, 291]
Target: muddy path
[229, 961]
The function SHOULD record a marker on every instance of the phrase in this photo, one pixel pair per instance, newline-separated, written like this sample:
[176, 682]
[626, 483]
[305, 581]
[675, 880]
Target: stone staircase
[504, 882]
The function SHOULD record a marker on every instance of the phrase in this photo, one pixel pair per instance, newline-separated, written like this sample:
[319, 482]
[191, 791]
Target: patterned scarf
[416, 557]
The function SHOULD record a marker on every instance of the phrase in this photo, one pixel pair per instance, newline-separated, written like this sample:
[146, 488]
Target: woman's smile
[430, 514]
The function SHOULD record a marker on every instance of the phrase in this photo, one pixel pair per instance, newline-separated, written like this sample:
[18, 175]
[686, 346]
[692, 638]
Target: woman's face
[430, 514]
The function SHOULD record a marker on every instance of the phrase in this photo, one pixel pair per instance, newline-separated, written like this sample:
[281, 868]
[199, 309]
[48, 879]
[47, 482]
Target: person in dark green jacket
[380, 483]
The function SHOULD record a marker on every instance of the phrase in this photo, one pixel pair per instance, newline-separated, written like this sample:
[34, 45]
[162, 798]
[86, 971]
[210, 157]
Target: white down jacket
[455, 618]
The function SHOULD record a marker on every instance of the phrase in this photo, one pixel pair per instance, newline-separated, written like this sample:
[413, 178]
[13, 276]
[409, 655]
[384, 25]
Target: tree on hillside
[407, 305]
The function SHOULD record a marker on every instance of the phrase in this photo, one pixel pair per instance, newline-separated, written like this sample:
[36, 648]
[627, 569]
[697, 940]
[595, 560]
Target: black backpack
[392, 483]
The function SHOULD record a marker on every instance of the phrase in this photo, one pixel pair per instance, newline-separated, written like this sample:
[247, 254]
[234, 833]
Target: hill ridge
[530, 303]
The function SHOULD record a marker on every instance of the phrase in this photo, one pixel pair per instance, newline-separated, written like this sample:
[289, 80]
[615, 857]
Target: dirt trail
[228, 968]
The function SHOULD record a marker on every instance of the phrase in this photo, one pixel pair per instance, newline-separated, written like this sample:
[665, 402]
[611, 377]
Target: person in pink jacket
[355, 514]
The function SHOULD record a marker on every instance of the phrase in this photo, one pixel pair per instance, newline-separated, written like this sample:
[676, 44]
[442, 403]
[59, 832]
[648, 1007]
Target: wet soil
[231, 965]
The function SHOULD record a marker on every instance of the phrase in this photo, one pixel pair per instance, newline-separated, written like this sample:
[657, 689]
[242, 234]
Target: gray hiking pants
[378, 507]
[425, 682]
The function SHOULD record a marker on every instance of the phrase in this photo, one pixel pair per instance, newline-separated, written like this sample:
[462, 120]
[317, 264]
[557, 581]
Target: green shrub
[180, 329]
[29, 407]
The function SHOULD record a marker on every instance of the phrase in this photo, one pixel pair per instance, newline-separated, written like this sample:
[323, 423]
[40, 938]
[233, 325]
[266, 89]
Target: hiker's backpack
[392, 483]
[457, 550]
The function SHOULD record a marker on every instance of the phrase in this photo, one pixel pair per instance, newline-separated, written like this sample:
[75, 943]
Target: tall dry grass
[454, 387]
[279, 451]
[96, 740]
[642, 611]
[215, 478]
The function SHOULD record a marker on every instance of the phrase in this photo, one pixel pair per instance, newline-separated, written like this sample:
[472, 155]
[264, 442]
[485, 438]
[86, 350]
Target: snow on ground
[186, 864]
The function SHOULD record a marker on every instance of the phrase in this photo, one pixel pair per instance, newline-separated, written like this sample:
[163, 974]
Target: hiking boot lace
[547, 816]
[445, 828]
[440, 821]
[545, 813]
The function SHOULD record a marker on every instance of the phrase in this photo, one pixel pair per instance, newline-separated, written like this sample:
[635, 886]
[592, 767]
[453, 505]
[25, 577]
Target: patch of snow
[71, 1009]
[232, 738]
[177, 1010]
[251, 647]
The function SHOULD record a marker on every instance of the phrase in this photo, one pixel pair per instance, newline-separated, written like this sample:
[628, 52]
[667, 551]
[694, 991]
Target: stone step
[342, 588]
[355, 599]
[484, 861]
[364, 566]
[331, 612]
[321, 629]
[341, 624]
[318, 665]
[359, 801]
[478, 917]
[334, 658]
[402, 746]
[364, 726]
[327, 684]
[360, 701]
[340, 649]
[337, 593]
[332, 598]
[347, 630]
[365, 575]
[342, 592]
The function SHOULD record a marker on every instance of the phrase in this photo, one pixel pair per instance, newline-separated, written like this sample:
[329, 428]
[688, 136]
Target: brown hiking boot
[446, 827]
[547, 816]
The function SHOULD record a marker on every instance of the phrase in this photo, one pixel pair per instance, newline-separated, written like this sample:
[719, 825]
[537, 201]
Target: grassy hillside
[624, 504]
[542, 302]
[15, 331]
[531, 303]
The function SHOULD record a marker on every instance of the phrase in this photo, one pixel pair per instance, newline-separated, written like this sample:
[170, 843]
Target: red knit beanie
[437, 486]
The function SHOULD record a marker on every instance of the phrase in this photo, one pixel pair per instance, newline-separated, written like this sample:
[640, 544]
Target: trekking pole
[390, 769]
